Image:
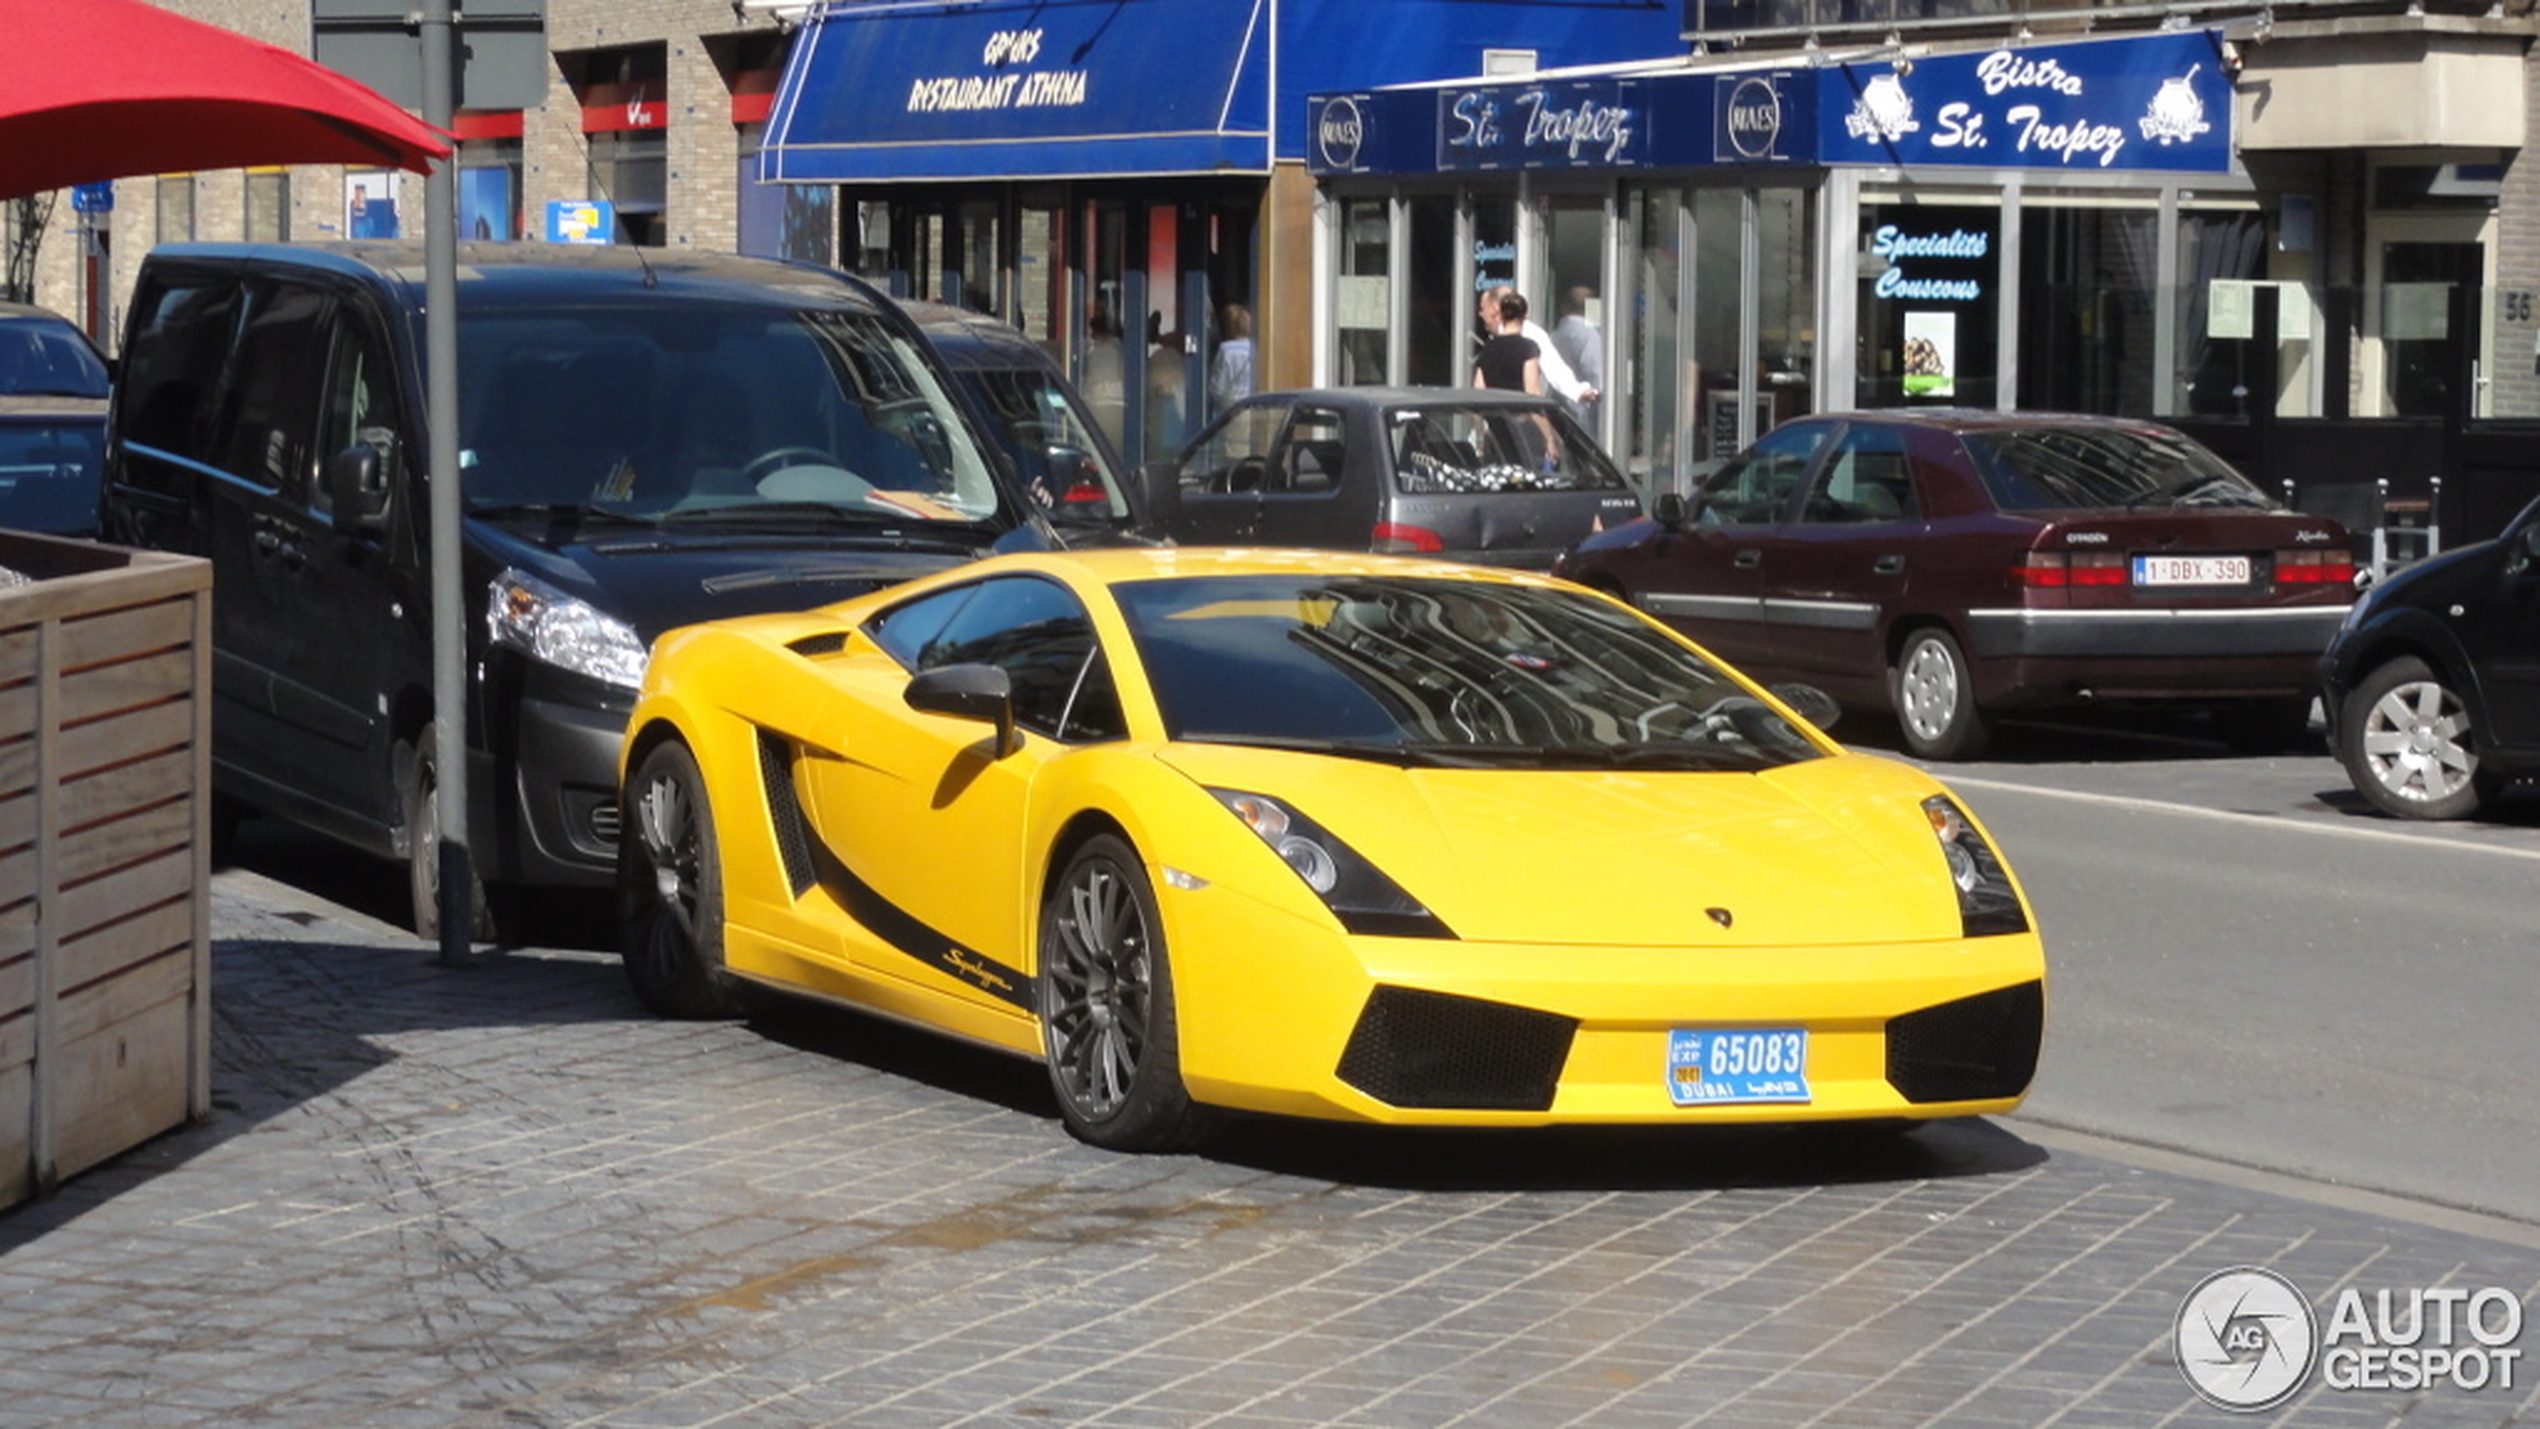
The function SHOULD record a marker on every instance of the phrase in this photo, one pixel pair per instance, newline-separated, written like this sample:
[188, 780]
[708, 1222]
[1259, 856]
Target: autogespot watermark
[2247, 1339]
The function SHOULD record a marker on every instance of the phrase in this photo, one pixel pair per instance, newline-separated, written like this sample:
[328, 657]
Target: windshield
[1441, 671]
[710, 412]
[1053, 445]
[2099, 466]
[1463, 449]
[44, 358]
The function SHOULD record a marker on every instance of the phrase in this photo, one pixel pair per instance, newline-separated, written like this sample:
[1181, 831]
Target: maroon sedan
[1955, 565]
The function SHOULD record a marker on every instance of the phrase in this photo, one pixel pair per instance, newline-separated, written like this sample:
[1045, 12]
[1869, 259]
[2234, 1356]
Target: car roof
[975, 339]
[1114, 565]
[1976, 419]
[546, 272]
[1382, 398]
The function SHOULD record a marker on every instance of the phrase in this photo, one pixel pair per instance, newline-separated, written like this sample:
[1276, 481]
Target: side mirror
[356, 489]
[2526, 550]
[977, 692]
[1809, 703]
[1668, 510]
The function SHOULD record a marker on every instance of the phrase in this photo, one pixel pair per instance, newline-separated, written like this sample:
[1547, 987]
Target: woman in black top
[1509, 359]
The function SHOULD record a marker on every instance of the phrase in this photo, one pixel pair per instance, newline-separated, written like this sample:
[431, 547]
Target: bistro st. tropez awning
[1010, 89]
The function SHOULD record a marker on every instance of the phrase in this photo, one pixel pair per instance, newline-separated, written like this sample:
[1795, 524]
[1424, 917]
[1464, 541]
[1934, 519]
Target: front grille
[1432, 1049]
[1974, 1049]
[785, 812]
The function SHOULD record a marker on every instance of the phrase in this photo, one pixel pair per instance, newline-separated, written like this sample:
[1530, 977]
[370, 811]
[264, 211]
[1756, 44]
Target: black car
[53, 385]
[646, 440]
[1060, 456]
[1467, 473]
[2432, 687]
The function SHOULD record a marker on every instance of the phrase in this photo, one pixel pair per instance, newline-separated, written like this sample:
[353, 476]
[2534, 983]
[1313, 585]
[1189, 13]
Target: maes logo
[2245, 1338]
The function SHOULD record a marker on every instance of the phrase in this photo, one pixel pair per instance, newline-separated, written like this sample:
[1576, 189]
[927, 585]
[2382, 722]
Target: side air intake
[785, 812]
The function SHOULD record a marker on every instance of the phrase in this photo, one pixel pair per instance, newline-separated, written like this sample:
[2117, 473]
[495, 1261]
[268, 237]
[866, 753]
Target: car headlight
[1357, 892]
[1987, 904]
[556, 629]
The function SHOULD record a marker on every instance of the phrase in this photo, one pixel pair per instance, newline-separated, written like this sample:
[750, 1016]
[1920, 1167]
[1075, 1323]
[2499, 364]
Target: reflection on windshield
[1449, 672]
[1061, 460]
[689, 408]
[2069, 468]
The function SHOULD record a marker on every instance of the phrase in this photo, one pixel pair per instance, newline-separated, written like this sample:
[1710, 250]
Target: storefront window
[1785, 303]
[1494, 264]
[1650, 399]
[1040, 260]
[1719, 292]
[973, 279]
[489, 189]
[2087, 309]
[631, 168]
[1929, 305]
[2218, 255]
[1102, 370]
[1571, 306]
[1364, 302]
[1439, 308]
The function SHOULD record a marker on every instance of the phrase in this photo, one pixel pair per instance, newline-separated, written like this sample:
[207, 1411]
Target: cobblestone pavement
[503, 1196]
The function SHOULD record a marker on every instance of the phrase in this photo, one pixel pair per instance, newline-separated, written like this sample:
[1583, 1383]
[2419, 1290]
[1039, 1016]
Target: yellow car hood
[1828, 851]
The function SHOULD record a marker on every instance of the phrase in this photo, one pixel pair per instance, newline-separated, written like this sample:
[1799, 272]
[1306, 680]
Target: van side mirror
[356, 489]
[978, 692]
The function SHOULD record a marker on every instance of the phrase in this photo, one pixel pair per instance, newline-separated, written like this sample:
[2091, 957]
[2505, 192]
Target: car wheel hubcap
[1931, 690]
[2417, 741]
[669, 832]
[1099, 977]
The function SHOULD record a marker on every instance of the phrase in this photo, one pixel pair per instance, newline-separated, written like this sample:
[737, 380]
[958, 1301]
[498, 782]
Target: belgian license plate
[1707, 1067]
[2191, 570]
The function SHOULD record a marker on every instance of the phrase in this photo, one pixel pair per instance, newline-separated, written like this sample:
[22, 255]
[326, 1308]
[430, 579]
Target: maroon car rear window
[2095, 467]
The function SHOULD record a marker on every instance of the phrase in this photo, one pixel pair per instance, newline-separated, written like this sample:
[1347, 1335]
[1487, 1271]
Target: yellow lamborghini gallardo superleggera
[1351, 837]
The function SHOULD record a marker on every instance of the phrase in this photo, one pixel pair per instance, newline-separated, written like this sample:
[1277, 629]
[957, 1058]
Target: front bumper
[1303, 1021]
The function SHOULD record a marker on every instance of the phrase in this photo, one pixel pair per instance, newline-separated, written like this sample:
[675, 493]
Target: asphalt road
[2247, 964]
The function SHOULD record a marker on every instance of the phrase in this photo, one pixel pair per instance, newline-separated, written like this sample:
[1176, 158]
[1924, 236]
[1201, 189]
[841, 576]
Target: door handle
[1747, 560]
[1887, 565]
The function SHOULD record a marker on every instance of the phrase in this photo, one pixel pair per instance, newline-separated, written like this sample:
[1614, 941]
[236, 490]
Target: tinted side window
[1032, 629]
[1037, 633]
[180, 342]
[361, 407]
[1757, 483]
[269, 417]
[1867, 480]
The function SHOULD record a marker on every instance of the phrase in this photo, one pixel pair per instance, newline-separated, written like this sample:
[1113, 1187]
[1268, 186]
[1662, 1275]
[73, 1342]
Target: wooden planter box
[105, 919]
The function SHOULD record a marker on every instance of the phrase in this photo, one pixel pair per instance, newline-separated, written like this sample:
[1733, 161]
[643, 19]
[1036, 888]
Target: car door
[1838, 565]
[1220, 480]
[1310, 498]
[925, 819]
[285, 722]
[1711, 582]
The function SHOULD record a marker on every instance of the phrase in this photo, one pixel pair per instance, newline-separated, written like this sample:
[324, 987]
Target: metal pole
[441, 402]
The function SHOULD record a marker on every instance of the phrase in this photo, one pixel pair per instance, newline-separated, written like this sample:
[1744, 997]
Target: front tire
[1105, 997]
[2406, 741]
[1936, 698]
[670, 891]
[423, 848]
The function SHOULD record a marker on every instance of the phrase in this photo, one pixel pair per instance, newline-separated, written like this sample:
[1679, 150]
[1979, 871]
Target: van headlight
[553, 628]
[1987, 904]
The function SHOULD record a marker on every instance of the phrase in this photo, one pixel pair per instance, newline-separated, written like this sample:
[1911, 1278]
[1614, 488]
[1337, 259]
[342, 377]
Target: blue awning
[1023, 89]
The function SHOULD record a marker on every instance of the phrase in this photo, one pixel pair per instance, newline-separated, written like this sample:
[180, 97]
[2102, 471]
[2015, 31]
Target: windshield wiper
[574, 511]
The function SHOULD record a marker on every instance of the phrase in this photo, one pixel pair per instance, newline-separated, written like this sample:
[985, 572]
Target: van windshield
[685, 408]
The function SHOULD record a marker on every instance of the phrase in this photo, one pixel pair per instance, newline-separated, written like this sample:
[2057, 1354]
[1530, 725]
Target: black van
[647, 439]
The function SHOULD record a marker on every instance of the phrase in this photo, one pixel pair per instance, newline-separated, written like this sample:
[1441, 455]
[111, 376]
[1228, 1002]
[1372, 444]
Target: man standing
[1577, 343]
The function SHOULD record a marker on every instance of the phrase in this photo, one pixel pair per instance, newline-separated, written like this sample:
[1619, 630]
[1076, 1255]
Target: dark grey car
[1468, 473]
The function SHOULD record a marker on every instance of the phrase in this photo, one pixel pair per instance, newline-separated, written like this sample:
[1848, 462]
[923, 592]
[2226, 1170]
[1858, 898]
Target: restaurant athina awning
[878, 91]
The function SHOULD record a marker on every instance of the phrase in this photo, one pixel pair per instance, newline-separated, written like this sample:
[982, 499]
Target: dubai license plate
[2191, 570]
[1707, 1067]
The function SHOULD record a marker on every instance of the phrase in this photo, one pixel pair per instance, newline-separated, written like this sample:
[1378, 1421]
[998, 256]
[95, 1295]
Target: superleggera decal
[911, 935]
